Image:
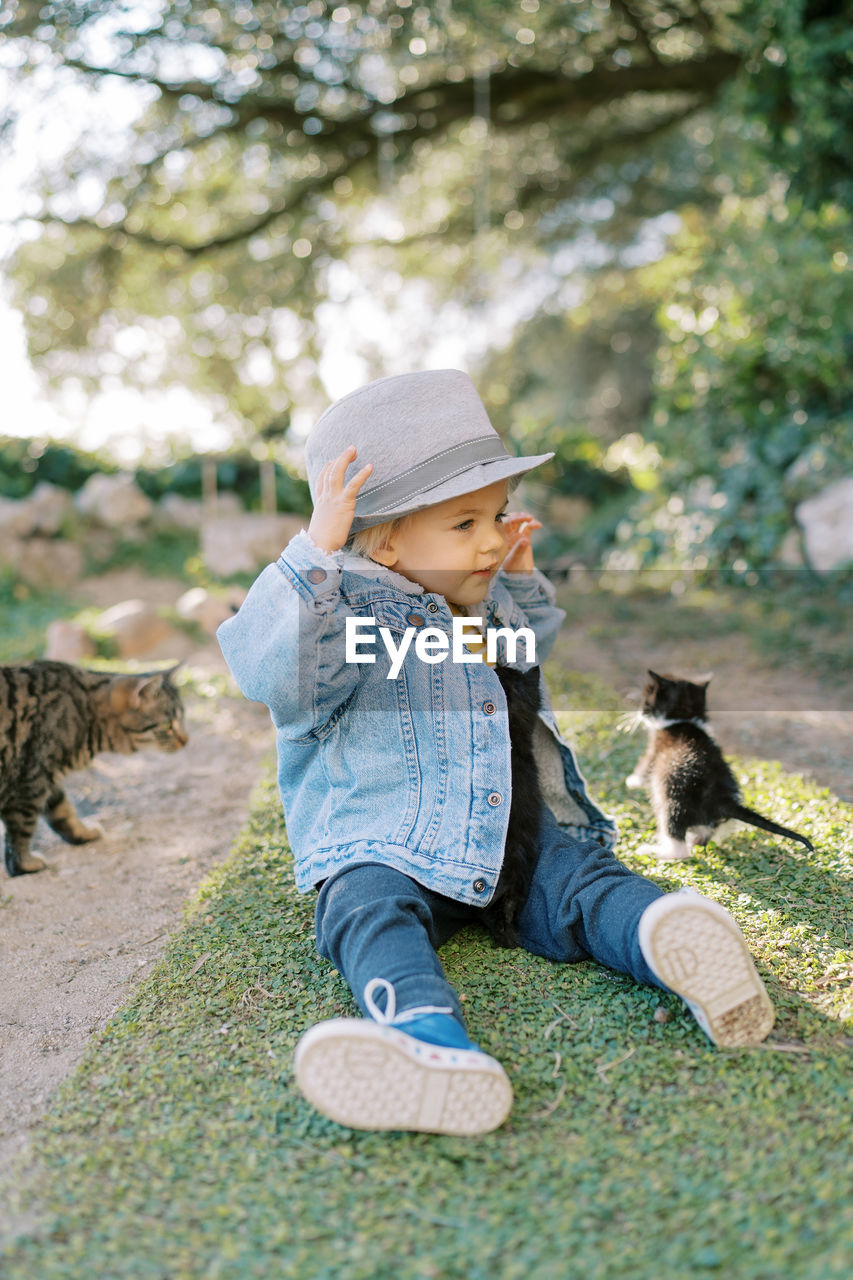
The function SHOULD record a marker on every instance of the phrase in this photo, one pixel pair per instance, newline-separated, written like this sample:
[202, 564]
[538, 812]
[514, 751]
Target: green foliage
[236, 472]
[801, 92]
[182, 1147]
[26, 463]
[26, 614]
[161, 553]
[518, 155]
[754, 390]
[200, 250]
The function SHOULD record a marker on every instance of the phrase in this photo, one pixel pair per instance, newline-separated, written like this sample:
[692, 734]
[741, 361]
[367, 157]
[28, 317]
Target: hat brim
[476, 477]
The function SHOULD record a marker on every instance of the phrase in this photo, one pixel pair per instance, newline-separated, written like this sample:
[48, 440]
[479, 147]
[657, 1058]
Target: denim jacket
[413, 771]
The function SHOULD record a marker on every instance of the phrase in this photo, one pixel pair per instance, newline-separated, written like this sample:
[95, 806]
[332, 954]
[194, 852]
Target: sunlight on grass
[182, 1149]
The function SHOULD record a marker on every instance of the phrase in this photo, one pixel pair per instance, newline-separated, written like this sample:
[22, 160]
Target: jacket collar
[364, 567]
[367, 568]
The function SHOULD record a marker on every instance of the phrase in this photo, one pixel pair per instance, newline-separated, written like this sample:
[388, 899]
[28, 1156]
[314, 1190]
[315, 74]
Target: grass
[181, 1148]
[161, 553]
[26, 614]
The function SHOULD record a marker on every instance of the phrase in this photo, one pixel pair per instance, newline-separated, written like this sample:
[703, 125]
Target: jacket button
[479, 886]
[316, 575]
[494, 798]
[489, 708]
[432, 607]
[415, 619]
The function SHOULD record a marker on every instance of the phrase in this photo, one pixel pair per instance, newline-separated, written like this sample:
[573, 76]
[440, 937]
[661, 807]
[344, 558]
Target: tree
[266, 134]
[753, 404]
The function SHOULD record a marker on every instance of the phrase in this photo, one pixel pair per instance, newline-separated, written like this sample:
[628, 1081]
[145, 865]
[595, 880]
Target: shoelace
[389, 1014]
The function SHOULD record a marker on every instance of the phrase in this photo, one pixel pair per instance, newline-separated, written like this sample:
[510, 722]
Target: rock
[190, 513]
[180, 512]
[227, 503]
[245, 543]
[15, 518]
[114, 500]
[68, 642]
[827, 524]
[136, 627]
[44, 510]
[47, 562]
[50, 507]
[208, 610]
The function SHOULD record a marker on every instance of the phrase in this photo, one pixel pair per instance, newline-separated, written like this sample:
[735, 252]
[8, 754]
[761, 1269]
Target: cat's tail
[754, 819]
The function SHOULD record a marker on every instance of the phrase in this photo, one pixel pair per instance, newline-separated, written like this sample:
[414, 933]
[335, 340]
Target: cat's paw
[77, 832]
[634, 781]
[669, 851]
[83, 835]
[30, 862]
[672, 850]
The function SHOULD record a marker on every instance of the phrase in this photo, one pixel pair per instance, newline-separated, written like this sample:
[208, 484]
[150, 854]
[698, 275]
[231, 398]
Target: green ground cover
[181, 1148]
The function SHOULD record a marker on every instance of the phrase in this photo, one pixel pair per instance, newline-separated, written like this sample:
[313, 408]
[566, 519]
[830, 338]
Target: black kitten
[523, 698]
[692, 788]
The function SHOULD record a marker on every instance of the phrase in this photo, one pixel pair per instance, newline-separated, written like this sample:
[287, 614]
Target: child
[397, 788]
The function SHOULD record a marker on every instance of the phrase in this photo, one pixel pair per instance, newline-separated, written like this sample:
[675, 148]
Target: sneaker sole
[366, 1076]
[698, 951]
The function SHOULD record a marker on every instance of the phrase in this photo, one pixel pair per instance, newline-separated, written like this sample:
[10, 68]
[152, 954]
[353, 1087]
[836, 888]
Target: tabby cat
[692, 788]
[55, 717]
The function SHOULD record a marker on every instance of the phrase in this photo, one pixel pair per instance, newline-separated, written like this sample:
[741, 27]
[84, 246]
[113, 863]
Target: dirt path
[74, 939]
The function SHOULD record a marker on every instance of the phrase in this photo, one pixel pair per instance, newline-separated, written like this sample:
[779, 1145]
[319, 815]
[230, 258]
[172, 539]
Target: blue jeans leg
[375, 922]
[584, 904]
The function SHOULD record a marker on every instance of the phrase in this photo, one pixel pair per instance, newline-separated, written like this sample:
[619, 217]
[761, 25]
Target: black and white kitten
[692, 788]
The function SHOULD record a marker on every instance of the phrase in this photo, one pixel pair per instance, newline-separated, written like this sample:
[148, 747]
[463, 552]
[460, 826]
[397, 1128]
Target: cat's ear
[657, 679]
[151, 684]
[124, 692]
[132, 691]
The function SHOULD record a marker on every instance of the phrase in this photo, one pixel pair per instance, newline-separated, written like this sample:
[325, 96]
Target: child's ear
[386, 556]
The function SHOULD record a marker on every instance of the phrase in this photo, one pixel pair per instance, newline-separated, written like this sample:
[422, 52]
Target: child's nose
[495, 539]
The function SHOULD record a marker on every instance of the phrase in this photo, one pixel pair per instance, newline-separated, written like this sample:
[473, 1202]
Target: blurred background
[628, 220]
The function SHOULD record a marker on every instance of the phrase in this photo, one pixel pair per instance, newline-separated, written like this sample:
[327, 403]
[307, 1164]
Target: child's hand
[335, 504]
[518, 526]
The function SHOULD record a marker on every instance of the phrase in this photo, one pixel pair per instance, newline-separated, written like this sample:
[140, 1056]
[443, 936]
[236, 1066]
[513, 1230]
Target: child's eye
[466, 524]
[500, 517]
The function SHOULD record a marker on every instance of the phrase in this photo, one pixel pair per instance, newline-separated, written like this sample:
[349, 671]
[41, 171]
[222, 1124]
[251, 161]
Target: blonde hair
[366, 541]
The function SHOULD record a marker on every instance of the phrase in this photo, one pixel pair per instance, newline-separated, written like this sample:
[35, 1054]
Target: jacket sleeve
[535, 597]
[285, 645]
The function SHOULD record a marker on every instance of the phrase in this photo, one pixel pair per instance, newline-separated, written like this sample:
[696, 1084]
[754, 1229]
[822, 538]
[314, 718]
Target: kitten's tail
[754, 819]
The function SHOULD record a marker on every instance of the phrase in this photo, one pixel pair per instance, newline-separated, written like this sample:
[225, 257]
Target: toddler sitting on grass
[425, 784]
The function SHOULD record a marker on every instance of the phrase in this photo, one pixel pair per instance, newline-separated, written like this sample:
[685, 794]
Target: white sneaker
[367, 1076]
[697, 950]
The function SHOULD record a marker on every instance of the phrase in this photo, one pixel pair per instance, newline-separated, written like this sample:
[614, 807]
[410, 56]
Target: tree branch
[580, 164]
[520, 96]
[638, 25]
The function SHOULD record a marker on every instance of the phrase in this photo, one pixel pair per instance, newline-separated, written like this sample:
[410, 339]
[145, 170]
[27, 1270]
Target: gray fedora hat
[428, 436]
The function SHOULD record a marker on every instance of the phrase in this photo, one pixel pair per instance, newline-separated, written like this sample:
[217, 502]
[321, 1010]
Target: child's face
[455, 548]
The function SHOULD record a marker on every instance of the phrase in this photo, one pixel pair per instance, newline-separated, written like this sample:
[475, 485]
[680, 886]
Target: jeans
[375, 922]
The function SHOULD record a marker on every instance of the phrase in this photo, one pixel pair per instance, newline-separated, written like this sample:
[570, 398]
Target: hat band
[393, 494]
